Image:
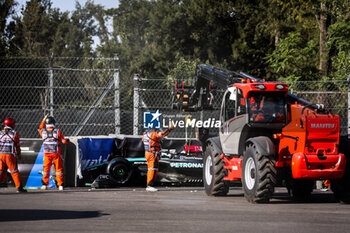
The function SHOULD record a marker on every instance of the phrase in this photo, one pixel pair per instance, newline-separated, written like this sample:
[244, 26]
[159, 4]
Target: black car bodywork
[180, 163]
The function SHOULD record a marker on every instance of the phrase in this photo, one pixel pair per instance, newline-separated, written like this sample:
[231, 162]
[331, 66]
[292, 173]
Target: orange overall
[152, 147]
[9, 147]
[52, 152]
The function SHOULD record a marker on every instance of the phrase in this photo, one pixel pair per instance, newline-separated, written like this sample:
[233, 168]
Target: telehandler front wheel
[214, 173]
[258, 176]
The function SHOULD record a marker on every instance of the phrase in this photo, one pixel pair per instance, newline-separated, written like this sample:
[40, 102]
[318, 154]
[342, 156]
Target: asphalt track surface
[174, 209]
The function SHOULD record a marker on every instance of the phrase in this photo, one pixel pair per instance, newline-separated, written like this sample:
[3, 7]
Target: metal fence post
[136, 105]
[348, 105]
[50, 74]
[116, 95]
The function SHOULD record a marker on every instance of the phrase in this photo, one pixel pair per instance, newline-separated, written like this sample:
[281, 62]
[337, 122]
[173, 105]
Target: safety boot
[151, 189]
[60, 188]
[44, 187]
[21, 190]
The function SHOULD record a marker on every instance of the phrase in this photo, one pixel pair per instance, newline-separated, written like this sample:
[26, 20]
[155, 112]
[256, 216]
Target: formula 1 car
[180, 163]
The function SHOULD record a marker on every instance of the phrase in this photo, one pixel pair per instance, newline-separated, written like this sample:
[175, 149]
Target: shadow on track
[35, 214]
[322, 198]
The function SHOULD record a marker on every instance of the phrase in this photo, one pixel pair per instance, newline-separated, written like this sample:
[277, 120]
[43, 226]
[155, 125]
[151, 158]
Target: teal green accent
[137, 160]
[121, 172]
[97, 165]
[130, 160]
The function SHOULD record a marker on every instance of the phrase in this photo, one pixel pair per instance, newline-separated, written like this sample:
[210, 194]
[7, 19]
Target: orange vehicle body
[308, 144]
[267, 137]
[253, 86]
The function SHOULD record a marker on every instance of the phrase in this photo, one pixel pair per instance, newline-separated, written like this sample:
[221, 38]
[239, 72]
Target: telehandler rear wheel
[341, 188]
[214, 173]
[300, 190]
[258, 176]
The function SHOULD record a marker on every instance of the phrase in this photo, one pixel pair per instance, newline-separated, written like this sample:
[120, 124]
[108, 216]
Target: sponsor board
[186, 165]
[154, 120]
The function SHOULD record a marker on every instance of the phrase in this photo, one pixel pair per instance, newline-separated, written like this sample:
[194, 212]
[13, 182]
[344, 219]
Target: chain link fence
[333, 94]
[78, 92]
[156, 94]
[88, 97]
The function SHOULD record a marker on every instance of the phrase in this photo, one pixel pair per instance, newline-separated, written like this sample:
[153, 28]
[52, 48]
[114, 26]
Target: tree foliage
[6, 10]
[41, 30]
[271, 39]
[295, 58]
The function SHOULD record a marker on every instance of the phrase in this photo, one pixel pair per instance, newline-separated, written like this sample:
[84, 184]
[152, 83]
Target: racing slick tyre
[300, 190]
[214, 173]
[120, 170]
[259, 176]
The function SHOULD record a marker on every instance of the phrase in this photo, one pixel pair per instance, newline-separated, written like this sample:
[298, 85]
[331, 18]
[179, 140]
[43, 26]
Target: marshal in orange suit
[9, 148]
[52, 138]
[151, 141]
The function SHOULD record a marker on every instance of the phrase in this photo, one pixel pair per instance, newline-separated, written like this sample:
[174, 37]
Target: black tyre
[214, 173]
[259, 176]
[120, 170]
[341, 188]
[300, 190]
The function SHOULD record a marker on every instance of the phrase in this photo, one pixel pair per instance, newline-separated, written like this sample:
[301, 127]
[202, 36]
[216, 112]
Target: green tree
[339, 44]
[6, 10]
[109, 45]
[36, 30]
[43, 31]
[131, 22]
[82, 30]
[61, 42]
[317, 24]
[193, 29]
[295, 58]
[260, 27]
